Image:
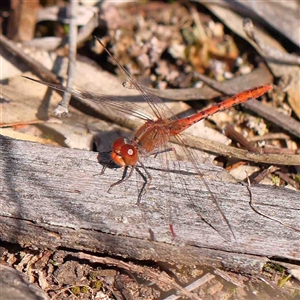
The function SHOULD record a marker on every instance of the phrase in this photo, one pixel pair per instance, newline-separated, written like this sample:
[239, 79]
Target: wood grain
[55, 197]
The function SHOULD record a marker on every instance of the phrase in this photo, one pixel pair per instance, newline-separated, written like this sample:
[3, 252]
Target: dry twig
[221, 149]
[270, 53]
[62, 108]
[37, 67]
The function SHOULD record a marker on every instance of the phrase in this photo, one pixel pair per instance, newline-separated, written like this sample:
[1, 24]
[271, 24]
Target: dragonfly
[152, 137]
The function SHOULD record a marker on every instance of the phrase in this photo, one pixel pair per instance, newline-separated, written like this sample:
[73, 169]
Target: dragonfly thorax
[152, 135]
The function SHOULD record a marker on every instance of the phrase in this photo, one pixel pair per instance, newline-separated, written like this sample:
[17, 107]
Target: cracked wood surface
[55, 197]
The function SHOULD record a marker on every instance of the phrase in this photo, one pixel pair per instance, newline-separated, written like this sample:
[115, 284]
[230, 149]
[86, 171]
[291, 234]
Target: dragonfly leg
[110, 165]
[163, 151]
[124, 177]
[147, 181]
[104, 158]
[103, 169]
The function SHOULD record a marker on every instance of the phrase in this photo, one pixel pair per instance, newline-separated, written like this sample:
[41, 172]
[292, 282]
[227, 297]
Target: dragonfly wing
[159, 109]
[114, 102]
[211, 211]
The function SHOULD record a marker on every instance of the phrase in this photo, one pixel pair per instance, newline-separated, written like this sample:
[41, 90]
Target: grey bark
[55, 197]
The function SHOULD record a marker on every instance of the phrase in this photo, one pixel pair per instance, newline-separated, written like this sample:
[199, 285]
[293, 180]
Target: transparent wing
[159, 109]
[211, 213]
[114, 102]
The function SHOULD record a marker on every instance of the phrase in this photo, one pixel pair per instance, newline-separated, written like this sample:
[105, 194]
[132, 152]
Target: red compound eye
[129, 154]
[117, 145]
[124, 154]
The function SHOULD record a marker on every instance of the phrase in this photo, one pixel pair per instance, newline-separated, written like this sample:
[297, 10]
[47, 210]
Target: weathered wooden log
[55, 197]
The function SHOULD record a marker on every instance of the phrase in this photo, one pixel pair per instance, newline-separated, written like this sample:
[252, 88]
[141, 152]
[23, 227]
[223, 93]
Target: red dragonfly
[152, 136]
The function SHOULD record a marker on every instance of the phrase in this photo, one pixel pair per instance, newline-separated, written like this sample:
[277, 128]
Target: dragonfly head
[124, 153]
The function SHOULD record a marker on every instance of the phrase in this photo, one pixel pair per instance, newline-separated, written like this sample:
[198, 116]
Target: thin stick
[194, 285]
[62, 109]
[37, 67]
[236, 136]
[269, 53]
[221, 149]
[251, 203]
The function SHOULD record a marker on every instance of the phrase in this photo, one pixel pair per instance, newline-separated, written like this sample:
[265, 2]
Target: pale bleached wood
[54, 197]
